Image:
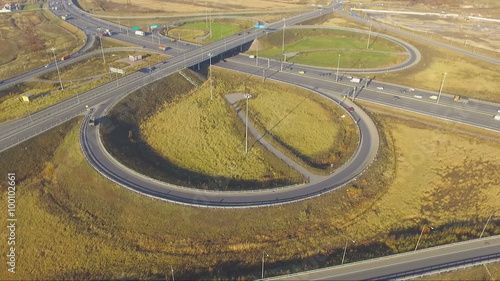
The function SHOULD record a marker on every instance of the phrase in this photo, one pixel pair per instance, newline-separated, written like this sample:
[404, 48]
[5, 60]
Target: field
[172, 7]
[199, 134]
[124, 138]
[199, 32]
[76, 78]
[85, 227]
[39, 31]
[466, 76]
[313, 46]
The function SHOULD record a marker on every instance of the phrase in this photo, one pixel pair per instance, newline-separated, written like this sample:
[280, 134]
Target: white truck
[139, 32]
[355, 80]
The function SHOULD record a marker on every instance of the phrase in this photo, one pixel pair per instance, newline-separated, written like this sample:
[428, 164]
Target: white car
[411, 89]
[433, 97]
[417, 96]
[380, 88]
[496, 117]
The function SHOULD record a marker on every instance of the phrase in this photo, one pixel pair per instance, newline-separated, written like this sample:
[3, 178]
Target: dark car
[396, 98]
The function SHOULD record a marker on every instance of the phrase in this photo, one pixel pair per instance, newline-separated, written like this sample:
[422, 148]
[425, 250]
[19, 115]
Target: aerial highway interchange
[476, 113]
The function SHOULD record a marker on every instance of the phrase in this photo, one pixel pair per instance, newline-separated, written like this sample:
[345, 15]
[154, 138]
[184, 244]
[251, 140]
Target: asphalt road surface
[408, 264]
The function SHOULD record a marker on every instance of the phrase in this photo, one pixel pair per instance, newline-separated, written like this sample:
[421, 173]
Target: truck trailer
[140, 33]
[65, 57]
[355, 80]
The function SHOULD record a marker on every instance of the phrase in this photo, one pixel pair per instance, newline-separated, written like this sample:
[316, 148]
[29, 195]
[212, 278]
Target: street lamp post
[102, 50]
[257, 57]
[283, 45]
[486, 224]
[248, 96]
[338, 66]
[264, 255]
[345, 249]
[420, 236]
[57, 67]
[441, 88]
[210, 73]
[369, 35]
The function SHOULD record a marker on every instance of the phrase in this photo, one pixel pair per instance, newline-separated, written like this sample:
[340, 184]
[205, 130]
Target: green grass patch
[312, 46]
[466, 76]
[192, 32]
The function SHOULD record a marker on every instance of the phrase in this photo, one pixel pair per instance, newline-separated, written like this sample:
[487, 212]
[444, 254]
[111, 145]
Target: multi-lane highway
[411, 264]
[474, 112]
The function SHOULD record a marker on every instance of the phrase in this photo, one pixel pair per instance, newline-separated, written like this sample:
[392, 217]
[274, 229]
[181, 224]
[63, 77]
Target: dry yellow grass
[297, 119]
[17, 58]
[146, 7]
[103, 230]
[199, 134]
[441, 177]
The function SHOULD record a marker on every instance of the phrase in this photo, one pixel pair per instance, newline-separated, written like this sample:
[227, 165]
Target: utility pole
[482, 232]
[338, 66]
[247, 96]
[57, 67]
[420, 236]
[441, 88]
[264, 255]
[369, 35]
[210, 73]
[102, 49]
[283, 45]
[257, 57]
[210, 24]
[345, 250]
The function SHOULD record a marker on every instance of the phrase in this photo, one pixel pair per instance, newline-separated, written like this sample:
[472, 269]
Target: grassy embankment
[202, 139]
[75, 224]
[321, 47]
[195, 133]
[108, 42]
[44, 30]
[77, 78]
[192, 32]
[466, 76]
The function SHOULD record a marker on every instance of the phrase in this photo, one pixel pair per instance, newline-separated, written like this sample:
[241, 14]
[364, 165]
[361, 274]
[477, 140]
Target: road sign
[259, 26]
[153, 26]
[135, 28]
[117, 70]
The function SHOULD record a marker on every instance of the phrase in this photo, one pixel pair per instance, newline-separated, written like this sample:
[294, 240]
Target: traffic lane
[393, 264]
[389, 90]
[141, 183]
[21, 129]
[443, 111]
[447, 109]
